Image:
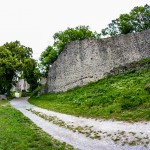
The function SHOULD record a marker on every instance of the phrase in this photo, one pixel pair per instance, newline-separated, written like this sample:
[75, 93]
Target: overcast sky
[34, 22]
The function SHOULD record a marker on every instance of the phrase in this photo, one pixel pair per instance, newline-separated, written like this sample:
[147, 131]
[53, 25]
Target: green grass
[121, 97]
[18, 132]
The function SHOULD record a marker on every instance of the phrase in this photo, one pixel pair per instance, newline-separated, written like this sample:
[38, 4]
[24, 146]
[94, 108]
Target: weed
[133, 133]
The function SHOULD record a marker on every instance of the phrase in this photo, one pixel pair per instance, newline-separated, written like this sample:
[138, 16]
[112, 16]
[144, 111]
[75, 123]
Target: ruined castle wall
[89, 60]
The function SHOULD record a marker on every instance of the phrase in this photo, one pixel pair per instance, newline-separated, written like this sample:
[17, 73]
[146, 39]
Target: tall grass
[122, 97]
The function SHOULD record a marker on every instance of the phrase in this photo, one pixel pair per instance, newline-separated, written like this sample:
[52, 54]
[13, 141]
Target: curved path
[87, 134]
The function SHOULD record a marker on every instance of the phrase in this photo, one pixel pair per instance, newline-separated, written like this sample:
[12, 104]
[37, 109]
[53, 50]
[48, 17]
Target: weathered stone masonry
[89, 60]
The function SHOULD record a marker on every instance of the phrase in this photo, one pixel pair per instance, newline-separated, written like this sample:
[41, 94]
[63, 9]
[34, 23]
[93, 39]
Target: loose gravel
[87, 134]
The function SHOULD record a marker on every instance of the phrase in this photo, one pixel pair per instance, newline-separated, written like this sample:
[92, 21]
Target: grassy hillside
[122, 97]
[19, 133]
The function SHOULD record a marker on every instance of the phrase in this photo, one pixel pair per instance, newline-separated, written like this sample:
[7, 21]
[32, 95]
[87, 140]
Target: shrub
[131, 102]
[37, 90]
[23, 94]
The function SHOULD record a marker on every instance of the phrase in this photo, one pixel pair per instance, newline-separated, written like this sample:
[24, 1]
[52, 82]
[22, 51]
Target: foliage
[18, 132]
[37, 90]
[13, 63]
[61, 39]
[11, 57]
[121, 97]
[8, 65]
[137, 20]
[31, 73]
[47, 58]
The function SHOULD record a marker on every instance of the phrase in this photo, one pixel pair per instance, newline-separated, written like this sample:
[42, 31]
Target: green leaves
[31, 73]
[137, 20]
[8, 66]
[61, 39]
[48, 57]
[13, 61]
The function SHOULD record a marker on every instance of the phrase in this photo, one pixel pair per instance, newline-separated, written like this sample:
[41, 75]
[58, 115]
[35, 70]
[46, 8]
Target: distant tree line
[137, 20]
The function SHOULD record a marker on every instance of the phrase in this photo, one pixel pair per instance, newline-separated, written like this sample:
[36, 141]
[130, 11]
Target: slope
[123, 95]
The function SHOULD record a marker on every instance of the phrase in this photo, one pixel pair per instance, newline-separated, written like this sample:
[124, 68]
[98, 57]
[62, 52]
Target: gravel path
[87, 134]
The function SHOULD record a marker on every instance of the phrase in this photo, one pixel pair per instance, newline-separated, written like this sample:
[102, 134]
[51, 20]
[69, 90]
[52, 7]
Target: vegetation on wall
[61, 39]
[137, 20]
[47, 58]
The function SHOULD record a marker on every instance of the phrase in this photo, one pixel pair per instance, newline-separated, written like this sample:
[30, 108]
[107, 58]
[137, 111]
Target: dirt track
[87, 134]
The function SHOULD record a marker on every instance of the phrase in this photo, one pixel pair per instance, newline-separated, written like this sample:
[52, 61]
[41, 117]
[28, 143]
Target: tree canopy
[61, 39]
[13, 64]
[47, 57]
[31, 73]
[137, 20]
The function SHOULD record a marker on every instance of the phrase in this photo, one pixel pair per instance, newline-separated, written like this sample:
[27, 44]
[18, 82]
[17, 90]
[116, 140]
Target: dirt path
[87, 134]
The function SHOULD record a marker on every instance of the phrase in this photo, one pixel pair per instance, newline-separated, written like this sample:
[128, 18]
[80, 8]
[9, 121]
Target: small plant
[24, 93]
[37, 90]
[121, 132]
[133, 133]
[132, 143]
[147, 87]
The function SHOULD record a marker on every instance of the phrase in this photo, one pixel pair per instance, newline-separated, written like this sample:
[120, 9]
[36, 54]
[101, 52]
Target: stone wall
[90, 60]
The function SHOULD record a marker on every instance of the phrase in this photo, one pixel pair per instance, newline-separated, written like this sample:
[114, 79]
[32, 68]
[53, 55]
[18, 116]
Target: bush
[37, 90]
[23, 94]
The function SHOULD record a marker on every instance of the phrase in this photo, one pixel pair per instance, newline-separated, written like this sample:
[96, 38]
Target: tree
[47, 58]
[31, 73]
[62, 38]
[13, 57]
[136, 21]
[18, 51]
[8, 66]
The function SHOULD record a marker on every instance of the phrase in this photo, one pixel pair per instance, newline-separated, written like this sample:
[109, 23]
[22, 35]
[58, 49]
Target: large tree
[61, 39]
[13, 58]
[8, 67]
[47, 58]
[137, 20]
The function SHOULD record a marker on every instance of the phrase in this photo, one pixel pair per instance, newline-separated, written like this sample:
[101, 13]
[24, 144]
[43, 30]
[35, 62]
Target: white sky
[34, 22]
